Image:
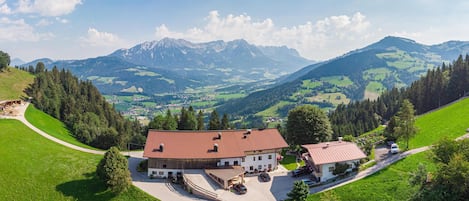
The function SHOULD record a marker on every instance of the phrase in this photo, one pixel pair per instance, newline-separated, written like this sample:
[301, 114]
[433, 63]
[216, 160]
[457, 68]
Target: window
[259, 167]
[331, 169]
[227, 163]
[235, 163]
[253, 158]
[153, 172]
[269, 166]
[160, 173]
[270, 156]
[242, 159]
[251, 168]
[260, 158]
[164, 165]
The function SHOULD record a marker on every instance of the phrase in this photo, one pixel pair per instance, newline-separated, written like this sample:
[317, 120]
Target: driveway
[381, 152]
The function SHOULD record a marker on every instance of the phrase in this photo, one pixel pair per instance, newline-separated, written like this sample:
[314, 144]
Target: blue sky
[319, 30]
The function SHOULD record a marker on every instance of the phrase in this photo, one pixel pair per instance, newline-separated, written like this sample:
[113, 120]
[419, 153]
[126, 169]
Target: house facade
[170, 152]
[322, 157]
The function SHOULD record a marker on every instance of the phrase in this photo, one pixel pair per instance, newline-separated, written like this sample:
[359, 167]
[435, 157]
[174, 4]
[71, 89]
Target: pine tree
[113, 170]
[214, 123]
[200, 120]
[405, 122]
[225, 122]
[299, 192]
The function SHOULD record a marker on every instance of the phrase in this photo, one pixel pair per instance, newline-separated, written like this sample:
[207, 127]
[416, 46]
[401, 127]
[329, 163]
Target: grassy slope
[34, 168]
[451, 121]
[390, 183]
[13, 82]
[52, 126]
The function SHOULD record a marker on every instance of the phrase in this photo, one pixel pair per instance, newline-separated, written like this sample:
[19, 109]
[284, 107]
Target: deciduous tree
[307, 124]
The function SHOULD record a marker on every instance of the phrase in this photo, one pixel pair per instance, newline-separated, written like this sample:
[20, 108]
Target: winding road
[139, 179]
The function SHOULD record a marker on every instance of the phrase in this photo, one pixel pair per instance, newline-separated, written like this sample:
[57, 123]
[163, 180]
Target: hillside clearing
[34, 168]
[13, 82]
[52, 126]
[390, 183]
[450, 121]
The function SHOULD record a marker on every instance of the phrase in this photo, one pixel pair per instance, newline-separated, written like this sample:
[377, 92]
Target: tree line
[438, 87]
[4, 60]
[189, 120]
[82, 108]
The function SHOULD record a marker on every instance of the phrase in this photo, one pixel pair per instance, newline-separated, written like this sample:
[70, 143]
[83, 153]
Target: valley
[174, 73]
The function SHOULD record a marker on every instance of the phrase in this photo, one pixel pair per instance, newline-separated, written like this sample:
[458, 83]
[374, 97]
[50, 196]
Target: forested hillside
[438, 87]
[81, 107]
[358, 75]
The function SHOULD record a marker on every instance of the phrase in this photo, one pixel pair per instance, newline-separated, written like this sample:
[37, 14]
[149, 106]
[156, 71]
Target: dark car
[310, 182]
[264, 176]
[240, 188]
[300, 171]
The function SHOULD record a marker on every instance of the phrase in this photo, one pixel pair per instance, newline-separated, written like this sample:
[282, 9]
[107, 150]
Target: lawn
[13, 82]
[289, 162]
[334, 98]
[340, 81]
[34, 168]
[450, 121]
[376, 87]
[390, 183]
[52, 126]
[376, 74]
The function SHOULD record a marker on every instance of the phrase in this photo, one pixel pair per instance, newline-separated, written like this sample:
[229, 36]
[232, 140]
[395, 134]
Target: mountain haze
[174, 65]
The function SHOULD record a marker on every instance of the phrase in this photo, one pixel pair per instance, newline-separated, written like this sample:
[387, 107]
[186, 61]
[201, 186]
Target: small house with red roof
[170, 152]
[322, 157]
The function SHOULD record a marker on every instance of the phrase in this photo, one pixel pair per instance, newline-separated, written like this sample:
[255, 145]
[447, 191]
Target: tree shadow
[87, 189]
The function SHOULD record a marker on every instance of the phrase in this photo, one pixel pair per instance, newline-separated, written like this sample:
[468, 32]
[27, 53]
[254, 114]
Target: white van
[394, 148]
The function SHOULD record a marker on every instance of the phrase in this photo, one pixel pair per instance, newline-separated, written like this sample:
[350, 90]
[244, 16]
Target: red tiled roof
[200, 144]
[333, 152]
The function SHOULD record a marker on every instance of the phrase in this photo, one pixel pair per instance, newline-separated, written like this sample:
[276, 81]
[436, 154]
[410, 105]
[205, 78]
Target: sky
[317, 29]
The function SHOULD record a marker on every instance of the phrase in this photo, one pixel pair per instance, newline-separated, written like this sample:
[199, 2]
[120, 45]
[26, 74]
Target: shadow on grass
[87, 189]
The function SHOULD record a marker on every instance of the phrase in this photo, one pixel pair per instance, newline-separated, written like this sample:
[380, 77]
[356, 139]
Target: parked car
[300, 171]
[310, 182]
[394, 148]
[240, 188]
[264, 176]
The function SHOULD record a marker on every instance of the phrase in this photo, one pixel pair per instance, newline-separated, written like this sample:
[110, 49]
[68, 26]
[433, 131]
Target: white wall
[230, 160]
[164, 171]
[328, 175]
[264, 163]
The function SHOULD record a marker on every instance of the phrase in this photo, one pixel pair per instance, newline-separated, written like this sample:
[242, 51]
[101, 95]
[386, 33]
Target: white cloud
[4, 9]
[47, 7]
[44, 22]
[19, 30]
[322, 39]
[96, 38]
[61, 20]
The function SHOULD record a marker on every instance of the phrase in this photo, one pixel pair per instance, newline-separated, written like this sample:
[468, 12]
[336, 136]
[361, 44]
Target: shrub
[143, 166]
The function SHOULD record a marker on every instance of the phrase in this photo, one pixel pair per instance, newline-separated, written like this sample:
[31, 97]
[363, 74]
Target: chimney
[327, 144]
[161, 147]
[219, 135]
[340, 139]
[215, 147]
[248, 131]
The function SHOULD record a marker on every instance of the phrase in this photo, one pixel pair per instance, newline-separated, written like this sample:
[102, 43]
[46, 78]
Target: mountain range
[360, 74]
[174, 65]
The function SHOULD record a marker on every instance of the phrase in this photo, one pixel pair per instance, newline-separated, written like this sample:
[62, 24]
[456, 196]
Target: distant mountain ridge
[362, 73]
[174, 65]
